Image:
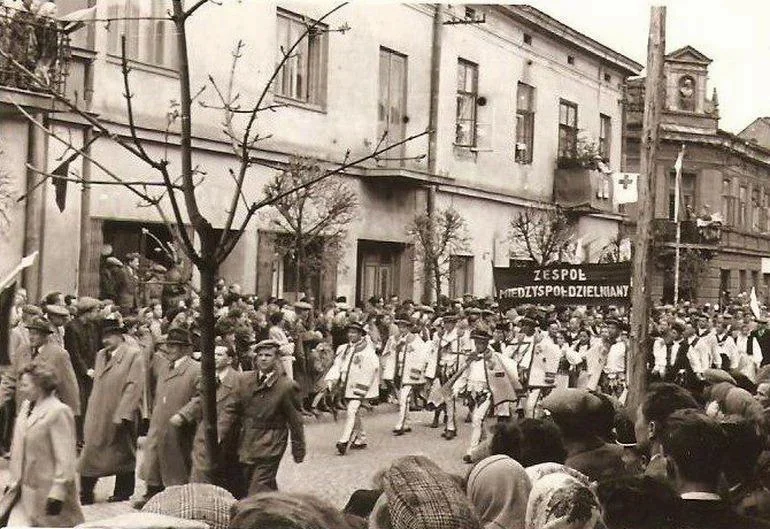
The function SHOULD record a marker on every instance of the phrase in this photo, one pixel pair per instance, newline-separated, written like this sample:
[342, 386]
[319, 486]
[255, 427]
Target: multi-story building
[725, 177]
[507, 90]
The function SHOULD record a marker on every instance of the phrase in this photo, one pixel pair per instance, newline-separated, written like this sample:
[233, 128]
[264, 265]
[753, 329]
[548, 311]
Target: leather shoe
[117, 499]
[407, 429]
[398, 431]
[434, 424]
[86, 499]
[467, 459]
[359, 446]
[449, 435]
[341, 448]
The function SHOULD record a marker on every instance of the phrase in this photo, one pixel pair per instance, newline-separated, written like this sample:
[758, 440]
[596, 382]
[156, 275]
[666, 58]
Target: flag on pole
[59, 177]
[678, 182]
[624, 187]
[754, 303]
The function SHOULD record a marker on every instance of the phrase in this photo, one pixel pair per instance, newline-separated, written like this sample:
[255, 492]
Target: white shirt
[616, 358]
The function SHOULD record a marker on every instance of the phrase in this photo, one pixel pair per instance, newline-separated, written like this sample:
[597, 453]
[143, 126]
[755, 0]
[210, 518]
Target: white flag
[754, 303]
[624, 185]
[677, 182]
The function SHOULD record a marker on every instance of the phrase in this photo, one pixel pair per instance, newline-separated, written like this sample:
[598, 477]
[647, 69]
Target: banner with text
[564, 284]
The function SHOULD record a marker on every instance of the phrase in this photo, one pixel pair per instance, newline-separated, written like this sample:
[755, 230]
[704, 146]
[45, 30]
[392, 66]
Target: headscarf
[537, 472]
[560, 501]
[499, 489]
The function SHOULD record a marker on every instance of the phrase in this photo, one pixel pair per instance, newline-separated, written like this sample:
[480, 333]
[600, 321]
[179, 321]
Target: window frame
[569, 130]
[314, 95]
[145, 43]
[471, 96]
[525, 125]
[605, 137]
[743, 191]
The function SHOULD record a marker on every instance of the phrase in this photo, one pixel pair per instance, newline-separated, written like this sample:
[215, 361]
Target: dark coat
[58, 359]
[81, 340]
[603, 462]
[166, 448]
[704, 514]
[269, 412]
[113, 413]
[226, 419]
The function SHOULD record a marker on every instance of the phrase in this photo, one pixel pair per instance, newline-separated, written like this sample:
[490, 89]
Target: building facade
[508, 92]
[725, 189]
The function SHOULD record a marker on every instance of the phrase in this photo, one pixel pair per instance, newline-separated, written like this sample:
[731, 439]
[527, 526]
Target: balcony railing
[692, 232]
[34, 50]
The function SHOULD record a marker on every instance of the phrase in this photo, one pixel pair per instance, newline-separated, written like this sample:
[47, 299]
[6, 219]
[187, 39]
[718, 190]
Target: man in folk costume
[388, 361]
[492, 381]
[758, 345]
[411, 368]
[613, 380]
[450, 349]
[703, 351]
[167, 448]
[112, 417]
[356, 369]
[521, 352]
[727, 350]
[671, 362]
[546, 356]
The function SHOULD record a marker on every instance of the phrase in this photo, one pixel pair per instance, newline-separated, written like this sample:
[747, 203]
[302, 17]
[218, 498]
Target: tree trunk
[208, 371]
[437, 280]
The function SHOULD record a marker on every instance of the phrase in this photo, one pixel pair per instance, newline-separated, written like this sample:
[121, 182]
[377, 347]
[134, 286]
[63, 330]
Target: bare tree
[543, 235]
[7, 195]
[176, 191]
[436, 239]
[617, 250]
[313, 221]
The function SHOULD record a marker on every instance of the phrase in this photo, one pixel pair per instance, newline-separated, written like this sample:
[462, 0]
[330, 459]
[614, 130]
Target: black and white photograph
[368, 264]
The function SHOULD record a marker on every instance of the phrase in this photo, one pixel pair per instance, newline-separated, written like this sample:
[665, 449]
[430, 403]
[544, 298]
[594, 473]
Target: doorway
[379, 269]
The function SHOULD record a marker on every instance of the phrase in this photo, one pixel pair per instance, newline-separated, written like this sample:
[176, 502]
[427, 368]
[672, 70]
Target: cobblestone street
[326, 474]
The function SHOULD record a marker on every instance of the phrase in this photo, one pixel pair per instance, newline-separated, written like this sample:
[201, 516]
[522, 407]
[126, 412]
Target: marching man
[492, 381]
[356, 369]
[411, 368]
[450, 349]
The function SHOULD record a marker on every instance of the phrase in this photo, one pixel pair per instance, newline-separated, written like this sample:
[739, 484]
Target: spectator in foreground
[498, 488]
[288, 511]
[694, 446]
[638, 502]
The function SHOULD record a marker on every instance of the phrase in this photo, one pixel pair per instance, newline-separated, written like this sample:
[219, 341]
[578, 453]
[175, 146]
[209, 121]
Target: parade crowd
[552, 442]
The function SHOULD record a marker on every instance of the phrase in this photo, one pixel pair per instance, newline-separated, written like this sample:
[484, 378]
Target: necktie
[669, 353]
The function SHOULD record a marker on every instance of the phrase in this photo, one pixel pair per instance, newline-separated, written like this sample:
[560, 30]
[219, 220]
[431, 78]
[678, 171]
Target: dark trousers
[124, 485]
[261, 474]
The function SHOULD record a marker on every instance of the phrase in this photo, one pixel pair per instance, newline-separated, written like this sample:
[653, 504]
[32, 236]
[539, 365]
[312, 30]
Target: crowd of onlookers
[693, 455]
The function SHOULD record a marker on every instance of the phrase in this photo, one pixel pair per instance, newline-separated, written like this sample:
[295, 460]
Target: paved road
[326, 474]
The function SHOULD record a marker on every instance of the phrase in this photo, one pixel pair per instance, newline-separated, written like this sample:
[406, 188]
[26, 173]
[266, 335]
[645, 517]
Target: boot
[434, 424]
[342, 448]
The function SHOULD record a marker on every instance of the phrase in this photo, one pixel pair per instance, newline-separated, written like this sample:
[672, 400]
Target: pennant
[59, 177]
[754, 303]
[624, 187]
[7, 297]
[677, 182]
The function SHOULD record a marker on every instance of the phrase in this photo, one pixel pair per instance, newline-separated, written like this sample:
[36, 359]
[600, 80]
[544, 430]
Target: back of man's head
[663, 399]
[696, 444]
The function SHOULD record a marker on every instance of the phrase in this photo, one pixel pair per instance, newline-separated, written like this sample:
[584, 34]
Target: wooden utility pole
[640, 300]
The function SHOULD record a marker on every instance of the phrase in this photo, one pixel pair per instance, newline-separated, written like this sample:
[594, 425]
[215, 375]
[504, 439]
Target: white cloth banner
[624, 187]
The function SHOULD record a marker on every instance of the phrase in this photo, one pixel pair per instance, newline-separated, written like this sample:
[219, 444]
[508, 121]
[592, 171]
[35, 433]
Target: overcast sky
[735, 34]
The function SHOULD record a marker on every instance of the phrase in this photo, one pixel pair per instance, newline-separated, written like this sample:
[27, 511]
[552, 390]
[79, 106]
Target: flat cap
[194, 501]
[32, 310]
[573, 402]
[356, 325]
[715, 376]
[425, 308]
[480, 334]
[111, 326]
[114, 261]
[178, 335]
[303, 305]
[266, 344]
[40, 324]
[86, 303]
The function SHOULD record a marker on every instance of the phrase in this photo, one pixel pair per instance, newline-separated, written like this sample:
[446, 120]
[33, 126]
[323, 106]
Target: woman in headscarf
[498, 488]
[561, 501]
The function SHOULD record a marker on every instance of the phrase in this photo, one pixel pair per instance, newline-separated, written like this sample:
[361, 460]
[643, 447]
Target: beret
[572, 402]
[194, 501]
[57, 310]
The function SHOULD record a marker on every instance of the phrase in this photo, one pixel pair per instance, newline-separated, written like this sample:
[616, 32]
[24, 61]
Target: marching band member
[727, 350]
[357, 369]
[613, 381]
[450, 348]
[522, 351]
[411, 366]
[577, 356]
[703, 348]
[492, 381]
[542, 372]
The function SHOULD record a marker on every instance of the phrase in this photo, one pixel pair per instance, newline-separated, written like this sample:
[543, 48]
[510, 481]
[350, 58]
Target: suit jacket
[712, 514]
[43, 461]
[269, 412]
[167, 449]
[58, 359]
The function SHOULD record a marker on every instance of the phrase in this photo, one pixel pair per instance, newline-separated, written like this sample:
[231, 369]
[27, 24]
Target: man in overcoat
[81, 340]
[269, 407]
[227, 428]
[167, 448]
[43, 348]
[112, 416]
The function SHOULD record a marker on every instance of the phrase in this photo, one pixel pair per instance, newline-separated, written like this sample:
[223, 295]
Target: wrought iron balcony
[34, 50]
[692, 232]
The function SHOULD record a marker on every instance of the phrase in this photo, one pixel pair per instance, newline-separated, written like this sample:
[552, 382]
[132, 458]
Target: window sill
[283, 100]
[144, 66]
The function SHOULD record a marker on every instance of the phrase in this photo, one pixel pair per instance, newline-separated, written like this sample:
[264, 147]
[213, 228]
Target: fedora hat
[178, 335]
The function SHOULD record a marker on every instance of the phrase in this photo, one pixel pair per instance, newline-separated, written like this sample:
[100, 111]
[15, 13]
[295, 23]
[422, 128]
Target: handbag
[7, 501]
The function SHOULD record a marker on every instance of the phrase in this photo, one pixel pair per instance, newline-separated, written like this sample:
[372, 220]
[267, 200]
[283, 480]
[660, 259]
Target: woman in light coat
[43, 455]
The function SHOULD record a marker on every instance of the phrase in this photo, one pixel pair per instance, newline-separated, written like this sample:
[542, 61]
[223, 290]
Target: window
[303, 75]
[149, 41]
[728, 202]
[460, 275]
[756, 209]
[528, 39]
[724, 282]
[755, 279]
[567, 129]
[742, 280]
[686, 195]
[605, 136]
[467, 94]
[570, 59]
[391, 105]
[742, 207]
[525, 123]
[470, 13]
[607, 78]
